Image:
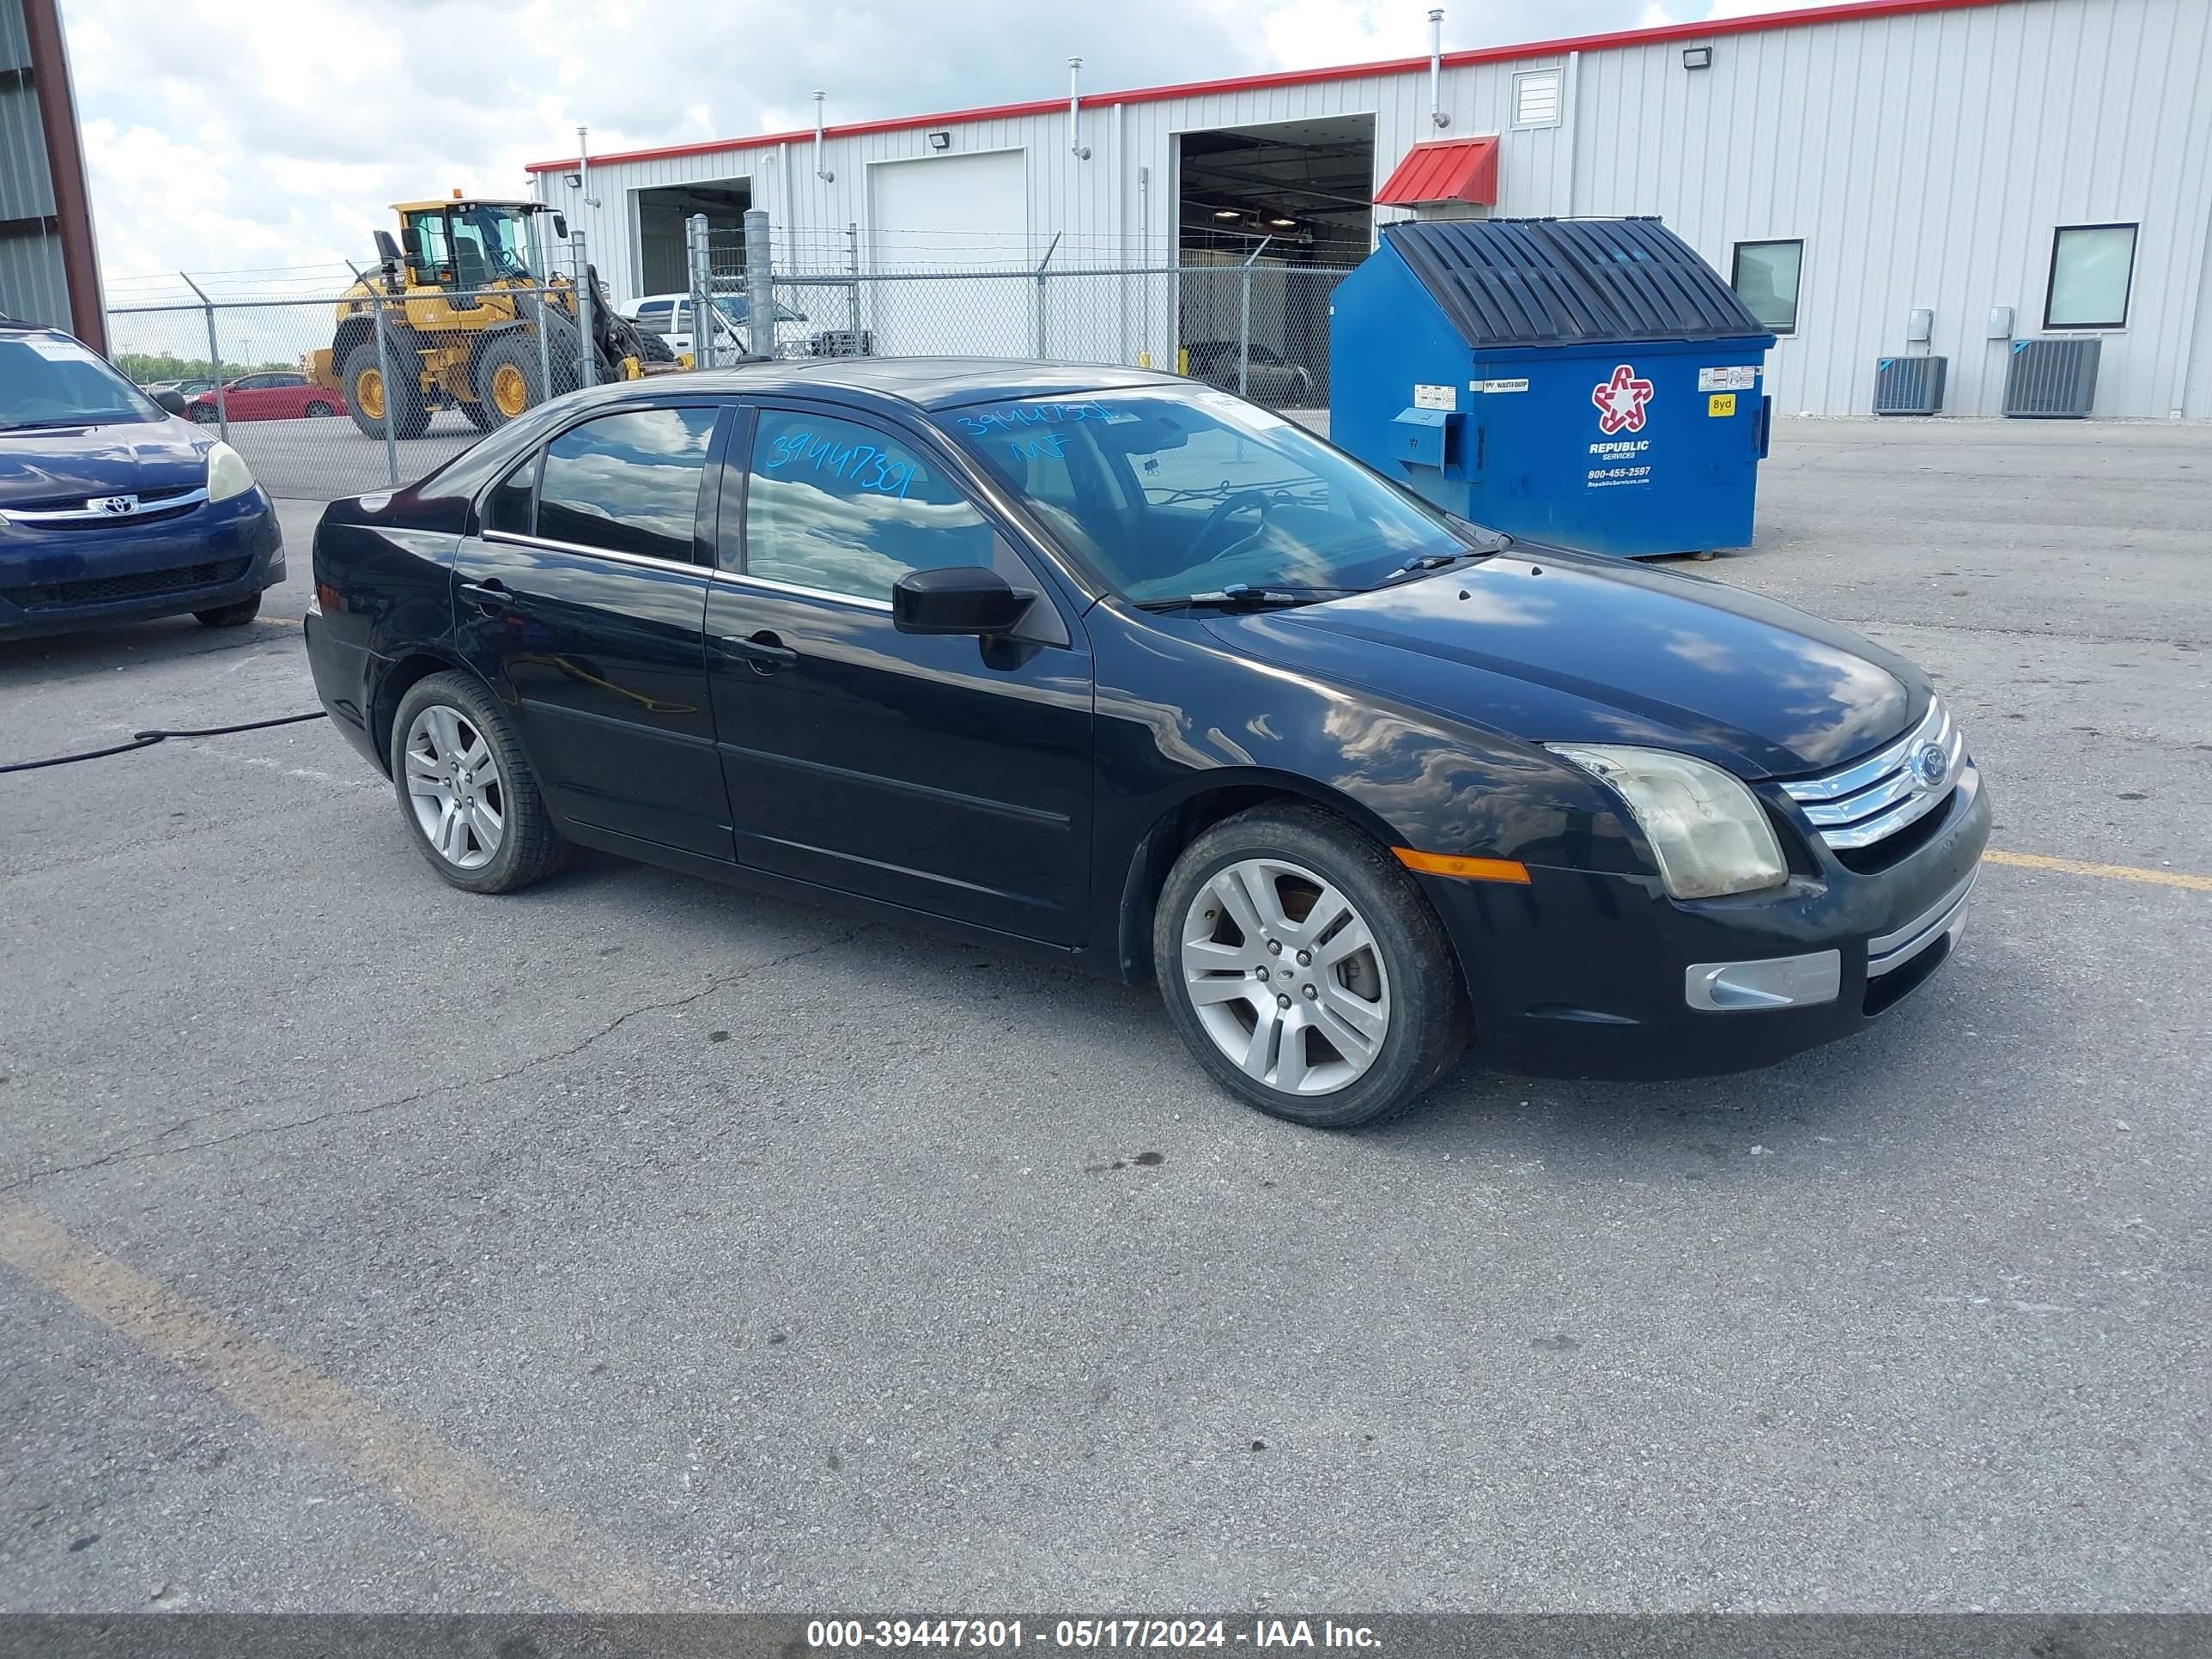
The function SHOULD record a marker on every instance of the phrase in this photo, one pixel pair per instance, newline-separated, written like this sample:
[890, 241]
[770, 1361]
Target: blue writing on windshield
[1016, 418]
[862, 465]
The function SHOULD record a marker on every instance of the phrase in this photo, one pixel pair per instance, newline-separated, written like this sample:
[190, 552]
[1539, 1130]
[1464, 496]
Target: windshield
[1170, 493]
[50, 381]
[735, 308]
[500, 235]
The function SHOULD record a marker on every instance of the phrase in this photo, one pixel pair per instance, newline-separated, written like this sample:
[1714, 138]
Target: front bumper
[1586, 975]
[213, 554]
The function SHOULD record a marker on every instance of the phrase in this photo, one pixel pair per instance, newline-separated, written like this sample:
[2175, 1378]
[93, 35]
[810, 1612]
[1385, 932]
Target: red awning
[1451, 170]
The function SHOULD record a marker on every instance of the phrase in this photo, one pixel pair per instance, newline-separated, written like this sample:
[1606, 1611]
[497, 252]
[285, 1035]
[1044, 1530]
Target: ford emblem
[1931, 765]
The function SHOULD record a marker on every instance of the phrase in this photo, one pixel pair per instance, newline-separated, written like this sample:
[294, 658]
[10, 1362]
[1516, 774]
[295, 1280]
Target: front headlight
[227, 473]
[1709, 832]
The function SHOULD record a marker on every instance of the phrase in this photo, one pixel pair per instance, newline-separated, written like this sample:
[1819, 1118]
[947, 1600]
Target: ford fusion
[1123, 671]
[111, 508]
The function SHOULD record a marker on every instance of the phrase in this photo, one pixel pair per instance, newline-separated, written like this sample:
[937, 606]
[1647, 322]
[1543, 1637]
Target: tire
[230, 616]
[411, 419]
[205, 415]
[1401, 979]
[319, 409]
[452, 713]
[508, 369]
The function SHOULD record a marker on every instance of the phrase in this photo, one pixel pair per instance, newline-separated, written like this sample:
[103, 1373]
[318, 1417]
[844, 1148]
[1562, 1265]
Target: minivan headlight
[227, 473]
[1710, 834]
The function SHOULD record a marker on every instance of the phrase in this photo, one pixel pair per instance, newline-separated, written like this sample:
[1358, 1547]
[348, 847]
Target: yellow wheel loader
[465, 297]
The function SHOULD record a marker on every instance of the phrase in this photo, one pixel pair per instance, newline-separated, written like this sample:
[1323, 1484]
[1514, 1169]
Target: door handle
[763, 653]
[489, 596]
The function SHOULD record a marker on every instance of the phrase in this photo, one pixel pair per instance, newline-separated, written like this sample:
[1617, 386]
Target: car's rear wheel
[230, 616]
[205, 414]
[1305, 970]
[466, 790]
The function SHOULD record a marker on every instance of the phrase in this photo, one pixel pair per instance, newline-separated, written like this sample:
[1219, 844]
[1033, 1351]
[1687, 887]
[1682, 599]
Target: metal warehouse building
[49, 266]
[1883, 180]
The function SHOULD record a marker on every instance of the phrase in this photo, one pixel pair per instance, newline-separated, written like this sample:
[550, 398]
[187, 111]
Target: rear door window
[508, 506]
[628, 482]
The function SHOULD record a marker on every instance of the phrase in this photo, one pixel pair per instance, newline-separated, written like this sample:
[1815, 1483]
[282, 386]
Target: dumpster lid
[1572, 281]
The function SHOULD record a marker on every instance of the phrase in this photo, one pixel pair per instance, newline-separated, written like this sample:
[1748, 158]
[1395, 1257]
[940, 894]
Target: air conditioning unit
[1909, 385]
[2052, 379]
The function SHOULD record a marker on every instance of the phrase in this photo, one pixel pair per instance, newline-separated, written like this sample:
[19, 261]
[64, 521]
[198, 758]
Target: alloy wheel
[1284, 976]
[455, 789]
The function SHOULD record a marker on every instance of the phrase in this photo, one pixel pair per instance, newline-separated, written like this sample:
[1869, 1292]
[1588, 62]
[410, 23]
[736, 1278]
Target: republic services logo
[1621, 402]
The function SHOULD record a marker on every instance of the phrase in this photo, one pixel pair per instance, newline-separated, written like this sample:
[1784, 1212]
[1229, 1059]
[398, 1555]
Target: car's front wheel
[236, 615]
[1305, 970]
[466, 790]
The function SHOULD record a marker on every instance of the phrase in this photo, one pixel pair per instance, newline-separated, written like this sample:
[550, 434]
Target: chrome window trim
[88, 514]
[509, 538]
[1887, 952]
[800, 590]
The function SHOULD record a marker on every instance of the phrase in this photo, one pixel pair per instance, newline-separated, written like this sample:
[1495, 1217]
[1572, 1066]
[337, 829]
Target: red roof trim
[1443, 170]
[1710, 30]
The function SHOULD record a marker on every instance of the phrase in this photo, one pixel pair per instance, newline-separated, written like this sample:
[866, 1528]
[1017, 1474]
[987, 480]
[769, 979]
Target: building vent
[2052, 379]
[1536, 97]
[1909, 385]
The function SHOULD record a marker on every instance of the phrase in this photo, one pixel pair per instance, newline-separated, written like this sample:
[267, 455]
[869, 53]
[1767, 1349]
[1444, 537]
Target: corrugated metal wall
[1925, 159]
[31, 285]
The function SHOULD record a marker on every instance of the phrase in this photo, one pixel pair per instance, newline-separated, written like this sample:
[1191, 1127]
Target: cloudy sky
[252, 136]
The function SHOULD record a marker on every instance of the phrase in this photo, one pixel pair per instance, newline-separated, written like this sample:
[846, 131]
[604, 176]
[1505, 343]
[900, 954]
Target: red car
[276, 396]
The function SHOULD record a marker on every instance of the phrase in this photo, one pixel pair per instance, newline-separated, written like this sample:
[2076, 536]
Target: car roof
[930, 383]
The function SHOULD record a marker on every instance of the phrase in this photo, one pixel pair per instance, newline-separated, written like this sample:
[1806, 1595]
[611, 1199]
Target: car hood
[78, 463]
[1549, 646]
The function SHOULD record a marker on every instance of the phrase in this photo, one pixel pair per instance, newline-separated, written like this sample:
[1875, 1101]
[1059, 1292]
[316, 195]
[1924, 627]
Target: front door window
[844, 508]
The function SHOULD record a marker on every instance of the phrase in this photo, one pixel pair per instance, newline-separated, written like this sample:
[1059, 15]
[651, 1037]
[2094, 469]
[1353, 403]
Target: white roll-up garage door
[952, 213]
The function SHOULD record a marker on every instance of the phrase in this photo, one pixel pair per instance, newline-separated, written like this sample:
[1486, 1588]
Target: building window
[2091, 268]
[1766, 279]
[1536, 97]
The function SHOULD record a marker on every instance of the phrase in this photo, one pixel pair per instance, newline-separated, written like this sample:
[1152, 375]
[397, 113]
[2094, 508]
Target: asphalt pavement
[636, 1242]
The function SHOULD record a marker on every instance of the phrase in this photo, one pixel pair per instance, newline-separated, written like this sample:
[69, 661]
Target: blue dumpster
[1587, 382]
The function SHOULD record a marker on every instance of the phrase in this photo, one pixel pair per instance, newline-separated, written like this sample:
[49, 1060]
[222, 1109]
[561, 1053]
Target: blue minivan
[112, 507]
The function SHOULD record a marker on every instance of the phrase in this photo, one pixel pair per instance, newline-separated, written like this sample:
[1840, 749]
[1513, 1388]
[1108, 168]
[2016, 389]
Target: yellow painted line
[2109, 871]
[455, 1492]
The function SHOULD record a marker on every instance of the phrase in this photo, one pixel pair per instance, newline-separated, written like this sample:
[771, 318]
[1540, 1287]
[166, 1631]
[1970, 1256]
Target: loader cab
[468, 244]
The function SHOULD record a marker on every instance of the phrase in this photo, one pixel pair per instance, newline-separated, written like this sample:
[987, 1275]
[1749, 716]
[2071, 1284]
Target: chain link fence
[302, 381]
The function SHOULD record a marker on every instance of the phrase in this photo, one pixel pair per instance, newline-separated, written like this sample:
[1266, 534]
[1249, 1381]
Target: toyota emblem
[1931, 765]
[117, 504]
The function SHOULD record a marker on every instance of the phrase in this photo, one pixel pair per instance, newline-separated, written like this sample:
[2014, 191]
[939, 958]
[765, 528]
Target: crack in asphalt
[141, 1151]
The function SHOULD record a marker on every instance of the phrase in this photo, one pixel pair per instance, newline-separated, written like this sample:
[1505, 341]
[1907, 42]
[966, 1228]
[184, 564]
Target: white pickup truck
[669, 315]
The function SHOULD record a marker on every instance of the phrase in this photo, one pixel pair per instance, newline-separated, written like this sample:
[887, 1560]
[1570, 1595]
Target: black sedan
[1128, 673]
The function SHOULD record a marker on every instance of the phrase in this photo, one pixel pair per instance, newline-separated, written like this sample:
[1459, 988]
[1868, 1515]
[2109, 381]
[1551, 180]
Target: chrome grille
[1873, 799]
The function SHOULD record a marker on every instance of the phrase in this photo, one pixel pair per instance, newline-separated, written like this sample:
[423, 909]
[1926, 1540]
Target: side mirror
[387, 252]
[174, 402]
[963, 598]
[411, 240]
[560, 226]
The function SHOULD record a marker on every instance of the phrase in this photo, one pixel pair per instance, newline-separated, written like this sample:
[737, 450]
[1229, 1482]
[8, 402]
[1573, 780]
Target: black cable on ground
[147, 739]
